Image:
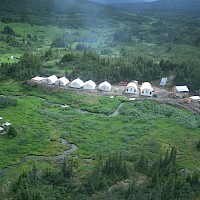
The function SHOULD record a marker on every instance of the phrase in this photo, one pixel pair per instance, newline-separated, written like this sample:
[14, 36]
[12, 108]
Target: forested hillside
[183, 6]
[109, 39]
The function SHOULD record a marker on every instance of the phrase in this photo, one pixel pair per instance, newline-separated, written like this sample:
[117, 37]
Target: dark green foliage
[59, 42]
[26, 186]
[188, 74]
[27, 67]
[67, 57]
[11, 132]
[9, 31]
[7, 101]
[198, 145]
[108, 180]
[165, 181]
[106, 173]
[142, 164]
[67, 168]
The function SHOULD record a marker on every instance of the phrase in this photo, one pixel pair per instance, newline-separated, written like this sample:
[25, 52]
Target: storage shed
[105, 86]
[77, 83]
[89, 85]
[50, 80]
[146, 89]
[131, 88]
[63, 81]
[163, 81]
[180, 91]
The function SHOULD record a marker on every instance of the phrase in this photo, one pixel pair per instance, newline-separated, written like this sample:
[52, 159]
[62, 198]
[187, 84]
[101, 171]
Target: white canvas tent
[1, 129]
[50, 80]
[131, 88]
[6, 124]
[89, 85]
[195, 98]
[77, 83]
[146, 89]
[63, 81]
[105, 86]
[38, 78]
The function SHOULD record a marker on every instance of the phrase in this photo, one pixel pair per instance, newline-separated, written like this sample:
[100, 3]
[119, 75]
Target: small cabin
[180, 91]
[131, 88]
[105, 86]
[146, 89]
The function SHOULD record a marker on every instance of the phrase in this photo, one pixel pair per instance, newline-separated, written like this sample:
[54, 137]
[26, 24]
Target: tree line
[164, 180]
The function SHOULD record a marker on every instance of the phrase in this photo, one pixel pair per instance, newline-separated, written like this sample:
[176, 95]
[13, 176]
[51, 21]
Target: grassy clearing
[95, 132]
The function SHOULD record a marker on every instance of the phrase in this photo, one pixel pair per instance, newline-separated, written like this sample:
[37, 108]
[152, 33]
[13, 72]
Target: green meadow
[141, 126]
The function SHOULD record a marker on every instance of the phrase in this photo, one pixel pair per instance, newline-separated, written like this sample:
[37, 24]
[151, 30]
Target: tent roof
[38, 78]
[53, 78]
[105, 83]
[78, 80]
[195, 97]
[147, 86]
[183, 88]
[132, 84]
[90, 82]
[63, 79]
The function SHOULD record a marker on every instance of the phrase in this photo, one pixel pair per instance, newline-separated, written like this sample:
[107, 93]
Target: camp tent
[1, 130]
[38, 78]
[77, 83]
[89, 85]
[63, 81]
[131, 88]
[146, 89]
[50, 80]
[105, 86]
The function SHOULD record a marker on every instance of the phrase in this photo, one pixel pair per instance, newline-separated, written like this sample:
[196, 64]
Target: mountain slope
[163, 5]
[70, 13]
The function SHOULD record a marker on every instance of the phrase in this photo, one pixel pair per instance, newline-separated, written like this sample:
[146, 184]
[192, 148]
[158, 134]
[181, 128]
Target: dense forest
[164, 180]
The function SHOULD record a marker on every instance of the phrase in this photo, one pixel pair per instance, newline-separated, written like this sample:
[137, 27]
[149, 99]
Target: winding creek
[31, 157]
[63, 141]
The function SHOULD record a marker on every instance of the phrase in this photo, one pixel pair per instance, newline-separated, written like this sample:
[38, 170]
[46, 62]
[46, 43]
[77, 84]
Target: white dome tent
[63, 81]
[131, 88]
[89, 85]
[50, 80]
[146, 89]
[105, 86]
[77, 83]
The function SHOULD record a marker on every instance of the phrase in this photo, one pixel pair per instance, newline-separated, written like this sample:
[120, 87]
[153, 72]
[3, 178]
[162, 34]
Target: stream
[63, 141]
[31, 157]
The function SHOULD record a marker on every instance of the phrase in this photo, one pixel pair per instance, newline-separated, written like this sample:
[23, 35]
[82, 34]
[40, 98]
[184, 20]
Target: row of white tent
[132, 88]
[76, 83]
[145, 89]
